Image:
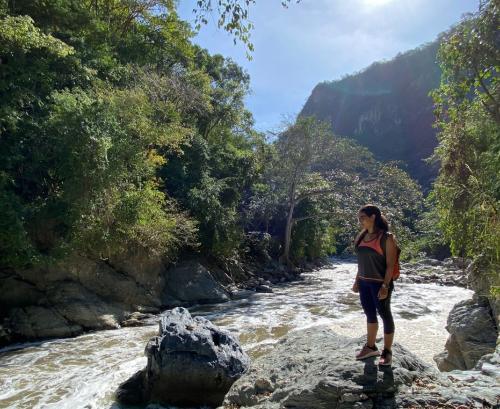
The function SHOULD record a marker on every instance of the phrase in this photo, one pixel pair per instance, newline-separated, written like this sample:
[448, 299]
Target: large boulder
[473, 333]
[67, 310]
[82, 307]
[40, 322]
[74, 294]
[190, 282]
[481, 278]
[315, 369]
[107, 281]
[190, 363]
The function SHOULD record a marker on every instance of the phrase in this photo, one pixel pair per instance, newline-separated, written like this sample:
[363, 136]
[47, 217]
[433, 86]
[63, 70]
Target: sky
[321, 40]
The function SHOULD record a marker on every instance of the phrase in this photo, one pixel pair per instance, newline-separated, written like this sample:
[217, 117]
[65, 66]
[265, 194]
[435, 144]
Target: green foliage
[233, 17]
[106, 94]
[218, 164]
[15, 246]
[332, 178]
[467, 191]
[120, 221]
[19, 35]
[428, 239]
[119, 135]
[313, 238]
[388, 187]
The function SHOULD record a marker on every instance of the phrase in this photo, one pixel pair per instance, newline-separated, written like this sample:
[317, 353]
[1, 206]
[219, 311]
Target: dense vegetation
[467, 191]
[117, 134]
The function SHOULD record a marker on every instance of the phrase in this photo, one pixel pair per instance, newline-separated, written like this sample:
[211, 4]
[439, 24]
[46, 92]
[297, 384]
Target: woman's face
[366, 221]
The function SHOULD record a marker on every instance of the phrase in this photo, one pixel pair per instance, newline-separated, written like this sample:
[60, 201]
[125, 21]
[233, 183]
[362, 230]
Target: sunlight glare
[370, 4]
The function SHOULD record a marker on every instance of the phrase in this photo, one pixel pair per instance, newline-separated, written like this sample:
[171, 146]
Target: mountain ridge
[386, 107]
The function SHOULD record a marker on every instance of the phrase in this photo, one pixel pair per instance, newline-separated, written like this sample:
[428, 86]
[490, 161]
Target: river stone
[316, 369]
[192, 362]
[262, 288]
[472, 334]
[191, 282]
[40, 322]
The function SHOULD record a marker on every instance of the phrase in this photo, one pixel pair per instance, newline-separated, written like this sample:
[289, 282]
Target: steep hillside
[386, 107]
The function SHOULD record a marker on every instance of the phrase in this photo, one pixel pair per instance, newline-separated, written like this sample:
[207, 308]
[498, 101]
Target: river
[84, 372]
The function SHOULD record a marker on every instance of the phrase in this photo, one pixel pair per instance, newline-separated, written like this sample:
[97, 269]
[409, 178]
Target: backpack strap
[361, 237]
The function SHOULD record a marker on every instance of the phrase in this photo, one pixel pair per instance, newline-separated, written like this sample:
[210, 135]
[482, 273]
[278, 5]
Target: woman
[374, 279]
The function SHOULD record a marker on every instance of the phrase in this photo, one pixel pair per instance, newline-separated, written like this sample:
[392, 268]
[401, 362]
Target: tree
[467, 190]
[298, 149]
[313, 184]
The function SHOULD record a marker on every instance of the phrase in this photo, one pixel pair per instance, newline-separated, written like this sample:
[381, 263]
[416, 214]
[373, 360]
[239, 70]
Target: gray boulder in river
[190, 282]
[191, 363]
[316, 369]
[473, 333]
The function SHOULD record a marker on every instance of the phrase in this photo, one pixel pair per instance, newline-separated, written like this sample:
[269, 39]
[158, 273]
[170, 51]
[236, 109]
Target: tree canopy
[119, 135]
[467, 191]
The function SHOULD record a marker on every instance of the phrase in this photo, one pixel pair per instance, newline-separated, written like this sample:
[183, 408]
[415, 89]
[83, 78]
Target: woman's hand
[383, 293]
[355, 286]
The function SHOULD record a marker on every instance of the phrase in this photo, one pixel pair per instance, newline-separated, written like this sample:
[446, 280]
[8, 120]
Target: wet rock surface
[192, 362]
[451, 271]
[473, 333]
[315, 368]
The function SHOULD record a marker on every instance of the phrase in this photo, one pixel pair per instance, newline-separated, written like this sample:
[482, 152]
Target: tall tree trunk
[289, 219]
[288, 234]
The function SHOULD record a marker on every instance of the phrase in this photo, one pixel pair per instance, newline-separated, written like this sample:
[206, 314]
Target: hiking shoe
[367, 352]
[385, 358]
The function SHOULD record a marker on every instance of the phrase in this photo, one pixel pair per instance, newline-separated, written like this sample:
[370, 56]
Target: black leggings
[368, 294]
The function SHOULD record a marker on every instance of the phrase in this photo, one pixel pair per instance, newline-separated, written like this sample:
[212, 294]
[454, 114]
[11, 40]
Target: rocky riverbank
[451, 271]
[89, 368]
[474, 340]
[193, 363]
[315, 368]
[79, 294]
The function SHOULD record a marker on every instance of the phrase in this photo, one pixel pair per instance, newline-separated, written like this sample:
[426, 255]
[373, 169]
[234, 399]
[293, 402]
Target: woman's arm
[390, 258]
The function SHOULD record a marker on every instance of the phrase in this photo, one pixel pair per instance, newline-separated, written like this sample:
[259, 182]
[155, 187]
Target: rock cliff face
[80, 294]
[386, 107]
